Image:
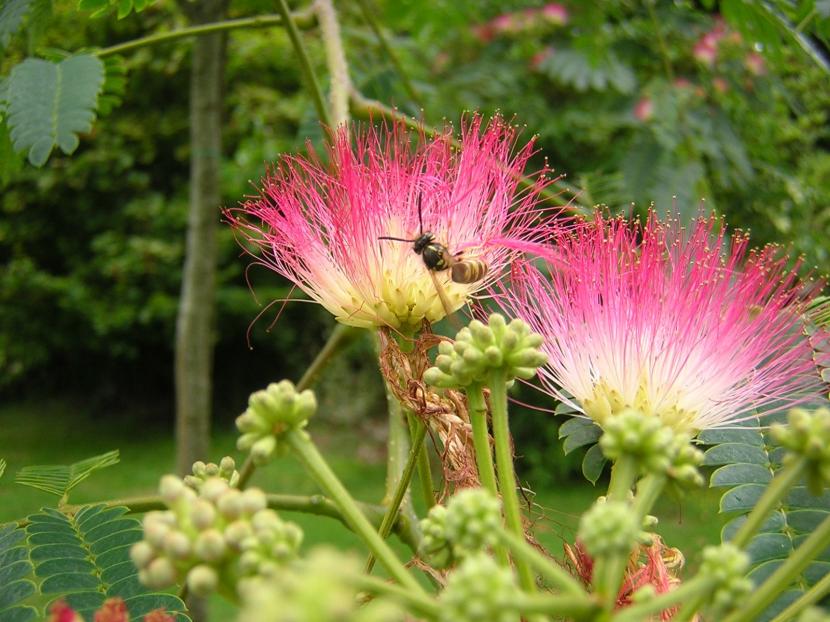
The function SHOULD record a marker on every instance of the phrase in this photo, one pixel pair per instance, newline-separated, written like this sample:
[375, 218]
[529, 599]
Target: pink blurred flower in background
[318, 223]
[683, 323]
[644, 109]
[755, 64]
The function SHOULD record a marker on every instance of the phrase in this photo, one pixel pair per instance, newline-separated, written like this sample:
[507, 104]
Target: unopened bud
[202, 580]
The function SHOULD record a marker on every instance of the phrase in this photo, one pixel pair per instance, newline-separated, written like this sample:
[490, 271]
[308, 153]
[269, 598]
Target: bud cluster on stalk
[226, 470]
[479, 349]
[658, 448]
[727, 565]
[211, 536]
[609, 528]
[480, 589]
[808, 436]
[468, 525]
[316, 588]
[271, 413]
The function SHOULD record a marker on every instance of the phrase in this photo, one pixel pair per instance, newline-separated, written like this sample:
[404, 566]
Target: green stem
[416, 603]
[484, 454]
[810, 597]
[563, 607]
[316, 465]
[506, 473]
[690, 608]
[648, 490]
[783, 577]
[307, 70]
[336, 61]
[694, 589]
[609, 570]
[371, 109]
[304, 19]
[661, 41]
[340, 337]
[368, 13]
[424, 470]
[777, 489]
[554, 574]
[391, 514]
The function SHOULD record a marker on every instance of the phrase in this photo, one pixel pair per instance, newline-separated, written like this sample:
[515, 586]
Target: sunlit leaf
[60, 479]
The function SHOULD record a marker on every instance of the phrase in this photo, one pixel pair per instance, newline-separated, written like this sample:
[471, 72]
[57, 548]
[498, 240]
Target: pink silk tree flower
[318, 222]
[684, 323]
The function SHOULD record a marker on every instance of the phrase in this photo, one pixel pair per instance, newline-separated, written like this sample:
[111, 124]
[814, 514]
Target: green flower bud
[479, 589]
[270, 414]
[226, 470]
[727, 566]
[472, 521]
[177, 545]
[814, 614]
[481, 348]
[210, 546]
[808, 436]
[237, 532]
[608, 528]
[202, 580]
[230, 504]
[202, 513]
[142, 554]
[253, 500]
[435, 546]
[160, 573]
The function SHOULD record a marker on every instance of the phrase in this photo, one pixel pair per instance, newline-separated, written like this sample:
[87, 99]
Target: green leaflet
[124, 7]
[82, 559]
[50, 103]
[60, 479]
[15, 576]
[2, 467]
[578, 432]
[747, 460]
[12, 13]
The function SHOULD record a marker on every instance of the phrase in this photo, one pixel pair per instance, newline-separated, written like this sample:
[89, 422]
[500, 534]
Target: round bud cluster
[727, 565]
[473, 521]
[814, 614]
[608, 528]
[204, 534]
[657, 447]
[272, 412]
[808, 435]
[226, 470]
[479, 589]
[435, 545]
[481, 348]
[316, 588]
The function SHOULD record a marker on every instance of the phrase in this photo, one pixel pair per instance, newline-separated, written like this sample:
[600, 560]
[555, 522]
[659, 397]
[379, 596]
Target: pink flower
[720, 84]
[318, 224]
[683, 323]
[705, 51]
[755, 64]
[644, 109]
[555, 13]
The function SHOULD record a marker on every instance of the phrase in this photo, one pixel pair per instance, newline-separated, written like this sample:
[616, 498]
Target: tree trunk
[194, 324]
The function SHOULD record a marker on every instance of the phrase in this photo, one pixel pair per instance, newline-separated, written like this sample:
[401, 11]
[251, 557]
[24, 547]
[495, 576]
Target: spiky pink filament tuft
[687, 323]
[318, 223]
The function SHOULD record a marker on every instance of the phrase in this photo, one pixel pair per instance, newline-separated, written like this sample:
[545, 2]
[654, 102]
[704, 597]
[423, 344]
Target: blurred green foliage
[655, 101]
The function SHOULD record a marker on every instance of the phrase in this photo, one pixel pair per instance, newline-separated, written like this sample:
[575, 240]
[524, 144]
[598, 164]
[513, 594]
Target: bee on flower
[683, 323]
[321, 223]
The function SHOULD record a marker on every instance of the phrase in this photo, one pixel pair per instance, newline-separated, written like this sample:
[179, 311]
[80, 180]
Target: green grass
[60, 433]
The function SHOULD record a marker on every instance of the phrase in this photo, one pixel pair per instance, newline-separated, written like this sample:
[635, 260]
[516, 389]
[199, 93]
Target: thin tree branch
[336, 61]
[304, 19]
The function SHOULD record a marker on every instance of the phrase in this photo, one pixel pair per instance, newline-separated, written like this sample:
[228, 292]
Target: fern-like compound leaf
[60, 479]
[50, 103]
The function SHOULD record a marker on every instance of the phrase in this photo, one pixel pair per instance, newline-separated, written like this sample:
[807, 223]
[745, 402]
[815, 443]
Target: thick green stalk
[421, 604]
[562, 607]
[391, 514]
[506, 473]
[609, 570]
[307, 70]
[782, 578]
[368, 13]
[340, 337]
[777, 489]
[307, 452]
[484, 454]
[554, 574]
[693, 590]
[810, 597]
[336, 61]
[648, 490]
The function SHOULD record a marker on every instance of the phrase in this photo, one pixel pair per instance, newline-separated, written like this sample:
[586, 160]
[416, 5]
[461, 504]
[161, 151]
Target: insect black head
[422, 241]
